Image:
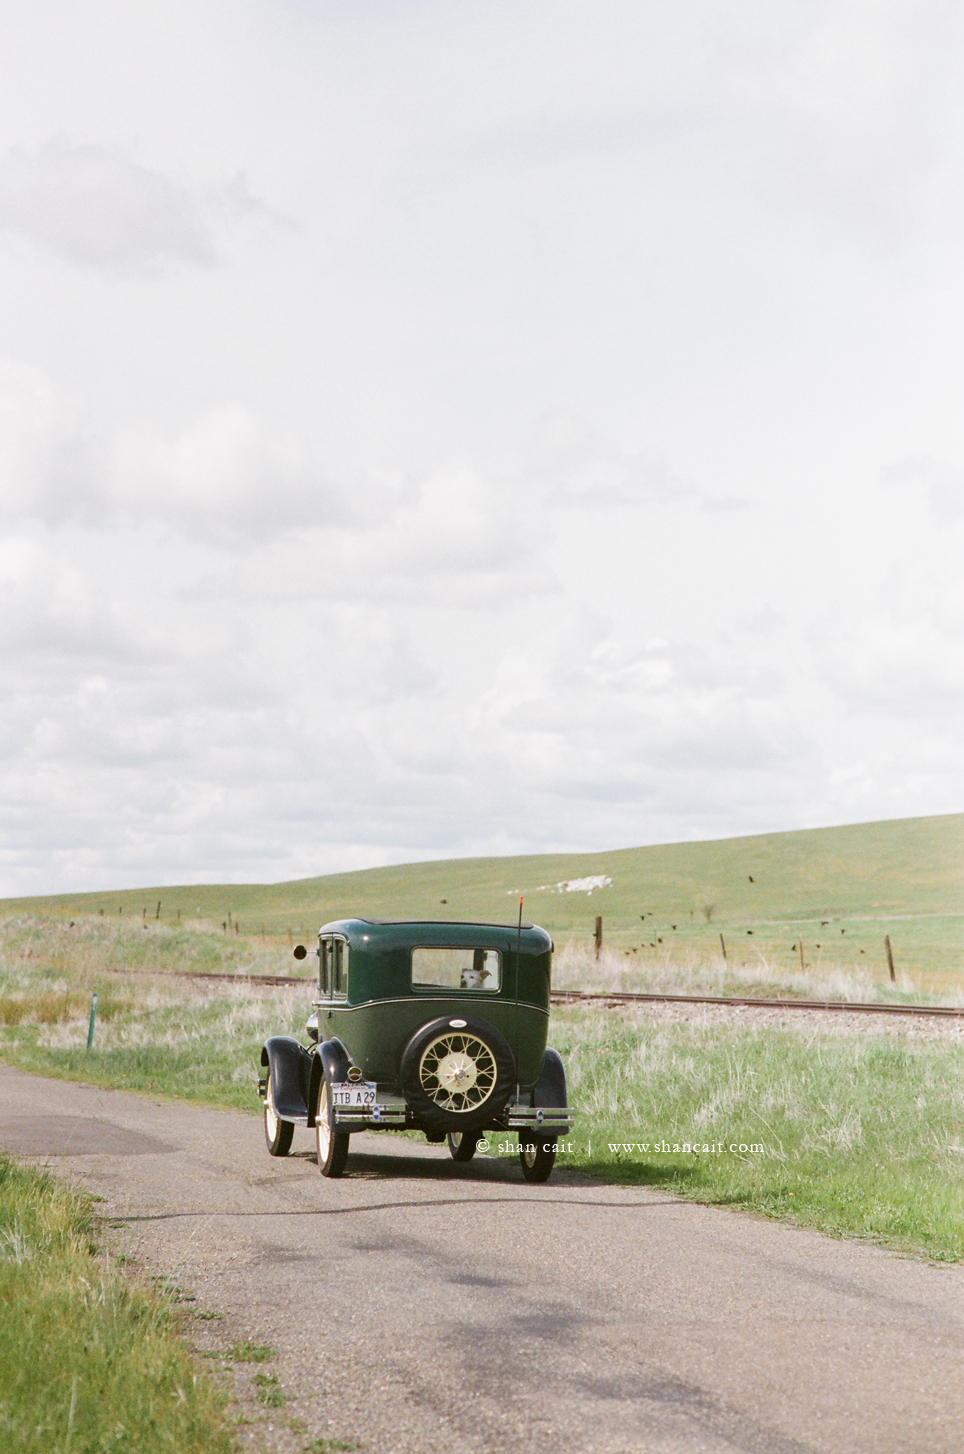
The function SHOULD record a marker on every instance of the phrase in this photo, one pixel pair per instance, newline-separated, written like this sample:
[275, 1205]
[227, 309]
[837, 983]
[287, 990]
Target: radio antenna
[518, 956]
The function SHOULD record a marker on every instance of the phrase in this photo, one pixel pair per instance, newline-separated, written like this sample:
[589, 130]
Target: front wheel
[463, 1144]
[277, 1133]
[537, 1155]
[332, 1145]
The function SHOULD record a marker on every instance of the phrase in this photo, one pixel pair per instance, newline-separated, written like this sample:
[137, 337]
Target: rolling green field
[838, 890]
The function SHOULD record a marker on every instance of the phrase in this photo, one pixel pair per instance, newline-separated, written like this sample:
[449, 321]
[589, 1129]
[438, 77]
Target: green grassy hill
[840, 889]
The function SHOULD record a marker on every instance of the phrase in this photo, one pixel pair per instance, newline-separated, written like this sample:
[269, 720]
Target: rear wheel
[277, 1133]
[537, 1155]
[463, 1144]
[332, 1145]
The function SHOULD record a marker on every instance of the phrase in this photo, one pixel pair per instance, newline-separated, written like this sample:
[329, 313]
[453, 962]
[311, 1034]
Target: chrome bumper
[553, 1118]
[392, 1111]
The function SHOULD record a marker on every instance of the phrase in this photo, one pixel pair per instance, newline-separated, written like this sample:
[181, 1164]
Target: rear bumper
[392, 1112]
[387, 1111]
[536, 1118]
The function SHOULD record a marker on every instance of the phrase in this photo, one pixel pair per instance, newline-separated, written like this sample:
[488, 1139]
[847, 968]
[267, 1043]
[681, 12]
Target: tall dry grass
[859, 1130]
[199, 1037]
[575, 966]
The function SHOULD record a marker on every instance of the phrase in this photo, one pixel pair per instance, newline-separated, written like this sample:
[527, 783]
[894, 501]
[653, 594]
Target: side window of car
[324, 966]
[339, 967]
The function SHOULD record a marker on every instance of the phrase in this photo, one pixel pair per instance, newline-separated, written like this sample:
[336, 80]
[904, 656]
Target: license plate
[361, 1093]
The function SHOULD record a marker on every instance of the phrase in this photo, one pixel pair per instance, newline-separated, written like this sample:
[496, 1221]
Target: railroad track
[613, 997]
[617, 997]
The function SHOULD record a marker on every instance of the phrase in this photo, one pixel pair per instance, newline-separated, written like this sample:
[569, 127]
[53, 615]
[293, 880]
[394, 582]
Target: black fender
[331, 1061]
[288, 1065]
[550, 1088]
[548, 1092]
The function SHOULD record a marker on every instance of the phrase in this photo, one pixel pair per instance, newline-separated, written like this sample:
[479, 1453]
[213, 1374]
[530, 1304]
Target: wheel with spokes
[332, 1145]
[457, 1074]
[277, 1133]
[537, 1155]
[457, 1071]
[463, 1144]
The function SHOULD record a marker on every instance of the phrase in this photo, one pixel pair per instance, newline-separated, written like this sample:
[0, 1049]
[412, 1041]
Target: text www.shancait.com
[642, 1148]
[688, 1148]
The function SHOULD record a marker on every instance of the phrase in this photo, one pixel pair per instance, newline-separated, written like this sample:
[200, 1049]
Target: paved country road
[420, 1307]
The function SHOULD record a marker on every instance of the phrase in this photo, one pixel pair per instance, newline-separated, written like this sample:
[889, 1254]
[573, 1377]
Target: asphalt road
[419, 1307]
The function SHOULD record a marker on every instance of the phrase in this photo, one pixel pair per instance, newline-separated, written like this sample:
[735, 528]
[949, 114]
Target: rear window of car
[456, 969]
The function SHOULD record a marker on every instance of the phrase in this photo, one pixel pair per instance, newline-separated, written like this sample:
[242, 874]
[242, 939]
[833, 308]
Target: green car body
[423, 1025]
[378, 1007]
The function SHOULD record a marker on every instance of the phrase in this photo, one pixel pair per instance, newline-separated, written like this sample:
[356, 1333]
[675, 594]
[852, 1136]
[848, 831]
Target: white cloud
[940, 483]
[840, 89]
[224, 474]
[48, 462]
[94, 205]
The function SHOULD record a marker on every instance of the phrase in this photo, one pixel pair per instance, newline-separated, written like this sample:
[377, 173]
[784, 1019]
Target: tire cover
[434, 1117]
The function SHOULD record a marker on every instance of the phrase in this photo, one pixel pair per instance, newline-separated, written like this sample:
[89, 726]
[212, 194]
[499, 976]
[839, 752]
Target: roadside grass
[88, 1362]
[862, 1128]
[250, 1353]
[268, 1390]
[191, 1039]
[180, 1041]
[862, 1133]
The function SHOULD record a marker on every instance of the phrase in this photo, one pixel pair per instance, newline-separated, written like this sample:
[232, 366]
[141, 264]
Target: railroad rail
[612, 997]
[576, 997]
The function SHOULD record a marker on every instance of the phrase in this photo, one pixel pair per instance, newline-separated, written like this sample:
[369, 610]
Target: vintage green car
[420, 1025]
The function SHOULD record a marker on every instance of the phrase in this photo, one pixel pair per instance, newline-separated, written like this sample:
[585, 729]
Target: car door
[333, 985]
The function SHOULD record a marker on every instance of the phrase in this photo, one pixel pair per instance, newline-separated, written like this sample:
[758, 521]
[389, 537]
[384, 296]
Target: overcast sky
[449, 428]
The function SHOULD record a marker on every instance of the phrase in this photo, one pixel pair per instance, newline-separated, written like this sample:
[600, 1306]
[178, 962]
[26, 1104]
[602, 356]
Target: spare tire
[457, 1074]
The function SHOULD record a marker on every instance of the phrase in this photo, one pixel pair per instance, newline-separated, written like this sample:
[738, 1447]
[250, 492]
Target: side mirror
[300, 951]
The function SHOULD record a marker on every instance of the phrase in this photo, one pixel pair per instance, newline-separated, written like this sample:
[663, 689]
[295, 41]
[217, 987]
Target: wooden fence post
[723, 947]
[598, 934]
[890, 958]
[803, 967]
